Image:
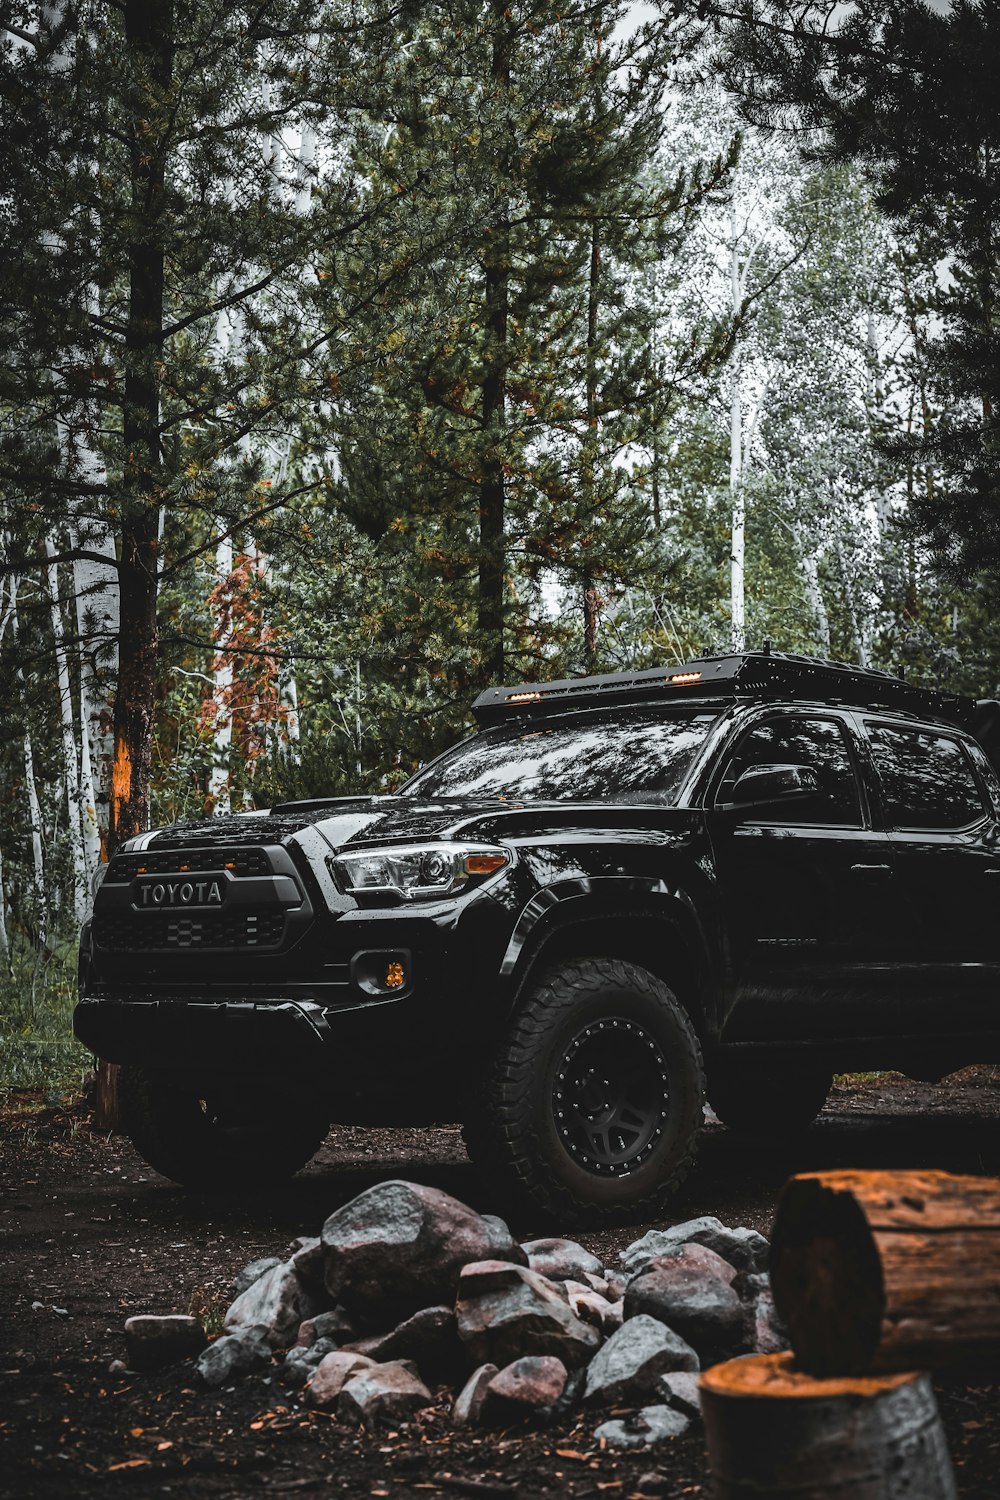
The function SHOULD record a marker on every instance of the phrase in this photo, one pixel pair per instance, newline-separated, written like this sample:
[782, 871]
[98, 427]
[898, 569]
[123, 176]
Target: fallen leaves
[129, 1463]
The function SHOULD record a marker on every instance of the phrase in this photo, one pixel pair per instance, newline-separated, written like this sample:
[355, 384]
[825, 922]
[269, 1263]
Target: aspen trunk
[775, 1433]
[71, 766]
[887, 1270]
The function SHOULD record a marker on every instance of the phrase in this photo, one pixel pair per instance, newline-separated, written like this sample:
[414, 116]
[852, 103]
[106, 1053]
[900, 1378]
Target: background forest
[358, 356]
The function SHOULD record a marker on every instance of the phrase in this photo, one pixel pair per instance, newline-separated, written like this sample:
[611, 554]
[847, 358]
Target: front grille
[171, 930]
[176, 861]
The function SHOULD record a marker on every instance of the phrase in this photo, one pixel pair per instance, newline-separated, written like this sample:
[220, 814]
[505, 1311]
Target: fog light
[383, 971]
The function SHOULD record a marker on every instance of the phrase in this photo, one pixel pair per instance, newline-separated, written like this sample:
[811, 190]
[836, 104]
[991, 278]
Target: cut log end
[883, 1271]
[775, 1431]
[827, 1278]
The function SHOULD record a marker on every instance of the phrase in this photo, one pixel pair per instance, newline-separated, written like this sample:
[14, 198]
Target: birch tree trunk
[30, 789]
[71, 768]
[222, 688]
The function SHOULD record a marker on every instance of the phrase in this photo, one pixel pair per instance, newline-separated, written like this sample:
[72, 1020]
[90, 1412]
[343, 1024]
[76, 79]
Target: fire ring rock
[506, 1311]
[399, 1247]
[382, 1394]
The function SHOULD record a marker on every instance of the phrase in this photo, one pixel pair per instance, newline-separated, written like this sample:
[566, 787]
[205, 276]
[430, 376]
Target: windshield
[637, 755]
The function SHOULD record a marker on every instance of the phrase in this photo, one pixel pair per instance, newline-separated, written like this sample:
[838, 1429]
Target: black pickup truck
[733, 877]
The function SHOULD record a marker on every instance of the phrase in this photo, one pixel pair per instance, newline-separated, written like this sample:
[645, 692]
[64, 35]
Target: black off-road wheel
[203, 1143]
[594, 1102]
[767, 1096]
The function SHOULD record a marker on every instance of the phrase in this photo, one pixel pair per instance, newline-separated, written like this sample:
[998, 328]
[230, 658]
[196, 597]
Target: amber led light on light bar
[524, 697]
[682, 679]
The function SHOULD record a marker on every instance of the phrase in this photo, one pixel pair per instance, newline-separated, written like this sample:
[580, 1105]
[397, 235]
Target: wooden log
[775, 1433]
[881, 1271]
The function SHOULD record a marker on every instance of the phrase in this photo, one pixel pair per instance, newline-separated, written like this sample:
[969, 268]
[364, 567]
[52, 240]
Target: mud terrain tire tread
[513, 1137]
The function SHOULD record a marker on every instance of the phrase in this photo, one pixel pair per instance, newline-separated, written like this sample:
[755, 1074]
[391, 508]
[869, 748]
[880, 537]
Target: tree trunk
[887, 1270]
[492, 484]
[773, 1431]
[71, 766]
[149, 39]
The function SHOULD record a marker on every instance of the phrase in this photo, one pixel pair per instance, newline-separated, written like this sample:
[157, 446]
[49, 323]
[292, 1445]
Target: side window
[799, 741]
[926, 778]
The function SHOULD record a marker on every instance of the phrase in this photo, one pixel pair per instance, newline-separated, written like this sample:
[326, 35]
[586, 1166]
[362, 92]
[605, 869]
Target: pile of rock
[406, 1288]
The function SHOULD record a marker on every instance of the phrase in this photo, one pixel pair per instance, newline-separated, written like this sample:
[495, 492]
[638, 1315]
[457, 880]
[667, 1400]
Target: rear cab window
[925, 778]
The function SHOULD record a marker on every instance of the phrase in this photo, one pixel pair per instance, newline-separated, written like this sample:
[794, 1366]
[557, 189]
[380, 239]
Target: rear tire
[766, 1097]
[202, 1142]
[594, 1103]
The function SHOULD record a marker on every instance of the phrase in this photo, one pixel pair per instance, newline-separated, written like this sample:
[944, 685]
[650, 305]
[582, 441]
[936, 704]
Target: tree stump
[881, 1271]
[776, 1433]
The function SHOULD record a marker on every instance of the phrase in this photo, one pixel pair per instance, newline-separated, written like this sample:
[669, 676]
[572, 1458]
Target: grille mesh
[131, 934]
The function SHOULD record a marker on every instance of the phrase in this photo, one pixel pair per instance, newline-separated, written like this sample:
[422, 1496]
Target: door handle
[995, 871]
[875, 872]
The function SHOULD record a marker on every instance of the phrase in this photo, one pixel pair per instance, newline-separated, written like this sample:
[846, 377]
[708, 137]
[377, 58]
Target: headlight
[419, 872]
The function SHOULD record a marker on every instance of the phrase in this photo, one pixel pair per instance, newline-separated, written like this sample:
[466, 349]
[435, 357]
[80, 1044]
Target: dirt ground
[89, 1235]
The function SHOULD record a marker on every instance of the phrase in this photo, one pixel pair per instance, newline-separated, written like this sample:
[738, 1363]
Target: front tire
[202, 1143]
[594, 1104]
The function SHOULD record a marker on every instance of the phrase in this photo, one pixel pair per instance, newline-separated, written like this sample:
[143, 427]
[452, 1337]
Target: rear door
[806, 888]
[944, 839]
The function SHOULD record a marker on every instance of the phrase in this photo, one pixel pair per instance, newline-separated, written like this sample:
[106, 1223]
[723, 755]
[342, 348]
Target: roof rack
[745, 674]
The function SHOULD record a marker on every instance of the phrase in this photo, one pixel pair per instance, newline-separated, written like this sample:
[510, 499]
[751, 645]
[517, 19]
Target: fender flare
[569, 901]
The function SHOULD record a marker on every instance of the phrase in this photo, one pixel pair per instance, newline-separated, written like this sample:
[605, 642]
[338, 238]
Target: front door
[807, 891]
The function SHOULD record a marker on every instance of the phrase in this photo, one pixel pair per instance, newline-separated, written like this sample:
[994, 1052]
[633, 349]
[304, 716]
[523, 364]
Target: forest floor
[89, 1235]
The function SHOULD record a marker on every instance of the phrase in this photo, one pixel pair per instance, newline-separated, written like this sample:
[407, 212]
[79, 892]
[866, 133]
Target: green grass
[38, 1052]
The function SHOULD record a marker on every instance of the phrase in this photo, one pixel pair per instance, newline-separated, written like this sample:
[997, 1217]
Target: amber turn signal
[484, 864]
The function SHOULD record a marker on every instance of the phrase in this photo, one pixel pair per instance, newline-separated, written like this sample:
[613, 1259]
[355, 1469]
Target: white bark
[30, 789]
[4, 940]
[810, 566]
[71, 766]
[850, 602]
[222, 675]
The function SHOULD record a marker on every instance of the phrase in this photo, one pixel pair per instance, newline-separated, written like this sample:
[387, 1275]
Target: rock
[527, 1388]
[471, 1398]
[307, 1259]
[276, 1303]
[117, 1367]
[300, 1362]
[506, 1311]
[743, 1248]
[631, 1361]
[399, 1247]
[651, 1425]
[381, 1395]
[231, 1357]
[253, 1272]
[334, 1325]
[429, 1337]
[592, 1308]
[597, 1284]
[503, 1245]
[701, 1258]
[331, 1375]
[561, 1260]
[152, 1343]
[681, 1389]
[617, 1287]
[698, 1305]
[763, 1330]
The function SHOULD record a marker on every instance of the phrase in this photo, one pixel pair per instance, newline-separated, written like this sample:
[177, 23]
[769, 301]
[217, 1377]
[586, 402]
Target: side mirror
[775, 783]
